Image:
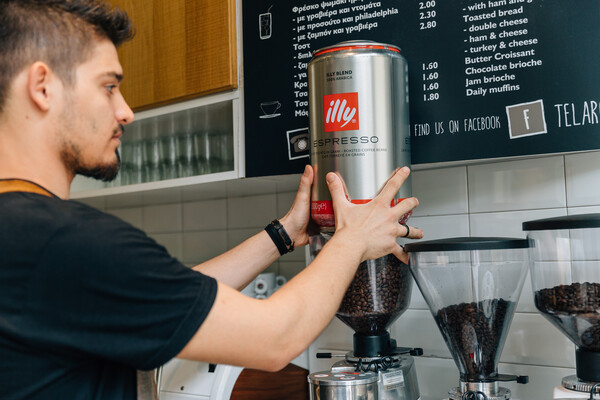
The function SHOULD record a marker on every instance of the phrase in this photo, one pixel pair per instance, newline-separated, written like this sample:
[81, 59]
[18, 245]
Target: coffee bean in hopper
[379, 293]
[473, 333]
[574, 310]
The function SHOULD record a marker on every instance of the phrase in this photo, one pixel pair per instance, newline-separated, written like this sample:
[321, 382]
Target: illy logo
[341, 112]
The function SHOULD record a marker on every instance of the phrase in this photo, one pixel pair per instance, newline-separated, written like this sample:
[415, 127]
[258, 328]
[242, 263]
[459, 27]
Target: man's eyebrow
[118, 77]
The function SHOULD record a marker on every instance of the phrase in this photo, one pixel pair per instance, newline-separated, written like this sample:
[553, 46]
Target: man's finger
[410, 232]
[336, 188]
[401, 254]
[393, 184]
[406, 206]
[346, 193]
[304, 187]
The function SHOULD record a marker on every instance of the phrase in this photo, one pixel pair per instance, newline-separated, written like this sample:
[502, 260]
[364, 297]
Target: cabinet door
[182, 49]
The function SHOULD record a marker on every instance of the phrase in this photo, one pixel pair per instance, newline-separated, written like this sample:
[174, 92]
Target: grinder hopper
[471, 286]
[565, 275]
[378, 295]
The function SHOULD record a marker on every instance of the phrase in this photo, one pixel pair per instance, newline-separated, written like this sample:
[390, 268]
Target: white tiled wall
[195, 231]
[488, 199]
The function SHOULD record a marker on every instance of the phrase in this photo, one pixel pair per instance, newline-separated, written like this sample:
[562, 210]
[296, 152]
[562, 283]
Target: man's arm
[267, 334]
[240, 265]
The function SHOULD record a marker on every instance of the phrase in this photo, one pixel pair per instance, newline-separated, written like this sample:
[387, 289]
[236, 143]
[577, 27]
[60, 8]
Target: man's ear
[38, 85]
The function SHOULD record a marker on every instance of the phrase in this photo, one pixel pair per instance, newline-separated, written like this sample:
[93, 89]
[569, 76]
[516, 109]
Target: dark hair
[59, 33]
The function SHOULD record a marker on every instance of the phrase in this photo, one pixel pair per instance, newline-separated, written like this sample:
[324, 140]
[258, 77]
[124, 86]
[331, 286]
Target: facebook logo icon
[526, 119]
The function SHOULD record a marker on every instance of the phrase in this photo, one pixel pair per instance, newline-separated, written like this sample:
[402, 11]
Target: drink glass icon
[265, 26]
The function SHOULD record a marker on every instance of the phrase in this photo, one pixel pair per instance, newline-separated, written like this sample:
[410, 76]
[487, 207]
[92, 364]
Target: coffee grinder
[565, 275]
[376, 368]
[472, 285]
[359, 128]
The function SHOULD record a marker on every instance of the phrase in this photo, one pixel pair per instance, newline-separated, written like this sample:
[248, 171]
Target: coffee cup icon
[269, 109]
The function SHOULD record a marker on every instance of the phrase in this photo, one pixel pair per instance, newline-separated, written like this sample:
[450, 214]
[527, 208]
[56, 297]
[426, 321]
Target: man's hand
[296, 220]
[373, 226]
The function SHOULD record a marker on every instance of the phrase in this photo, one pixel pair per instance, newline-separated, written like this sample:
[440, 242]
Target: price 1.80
[431, 96]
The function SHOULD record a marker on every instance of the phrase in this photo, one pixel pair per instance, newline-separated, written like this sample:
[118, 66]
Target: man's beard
[105, 173]
[70, 153]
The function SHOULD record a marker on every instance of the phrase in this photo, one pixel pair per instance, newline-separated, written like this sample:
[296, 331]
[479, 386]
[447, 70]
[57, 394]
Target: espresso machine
[376, 368]
[472, 285]
[565, 275]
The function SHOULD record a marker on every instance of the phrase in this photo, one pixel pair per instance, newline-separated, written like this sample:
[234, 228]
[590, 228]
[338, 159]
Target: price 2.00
[423, 5]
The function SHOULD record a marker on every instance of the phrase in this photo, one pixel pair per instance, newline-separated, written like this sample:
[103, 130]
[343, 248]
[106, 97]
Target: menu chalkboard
[487, 79]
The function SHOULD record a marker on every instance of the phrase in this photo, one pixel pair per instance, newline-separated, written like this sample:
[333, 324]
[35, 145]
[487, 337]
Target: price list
[427, 14]
[431, 84]
[323, 23]
[500, 43]
[487, 78]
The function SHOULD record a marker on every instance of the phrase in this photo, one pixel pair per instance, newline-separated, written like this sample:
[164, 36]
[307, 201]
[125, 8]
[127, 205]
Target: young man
[86, 298]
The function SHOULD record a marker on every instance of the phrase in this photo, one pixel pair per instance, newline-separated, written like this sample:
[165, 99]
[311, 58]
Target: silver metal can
[327, 385]
[359, 121]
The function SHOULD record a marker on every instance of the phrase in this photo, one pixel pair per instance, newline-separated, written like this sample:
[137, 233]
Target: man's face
[93, 116]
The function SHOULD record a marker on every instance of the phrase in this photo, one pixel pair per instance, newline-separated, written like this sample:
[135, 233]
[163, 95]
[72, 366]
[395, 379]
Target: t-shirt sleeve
[105, 289]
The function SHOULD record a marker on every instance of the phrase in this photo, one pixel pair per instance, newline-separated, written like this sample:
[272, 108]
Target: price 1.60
[430, 66]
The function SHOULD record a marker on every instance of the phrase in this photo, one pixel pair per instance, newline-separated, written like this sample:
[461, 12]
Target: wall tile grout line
[566, 184]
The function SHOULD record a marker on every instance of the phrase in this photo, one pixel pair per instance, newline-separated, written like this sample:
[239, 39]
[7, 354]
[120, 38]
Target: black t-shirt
[85, 300]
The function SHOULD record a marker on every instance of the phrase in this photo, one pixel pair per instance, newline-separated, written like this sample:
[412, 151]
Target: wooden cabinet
[182, 49]
[183, 57]
[290, 383]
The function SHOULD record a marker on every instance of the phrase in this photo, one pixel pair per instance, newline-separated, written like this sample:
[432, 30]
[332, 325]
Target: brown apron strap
[19, 185]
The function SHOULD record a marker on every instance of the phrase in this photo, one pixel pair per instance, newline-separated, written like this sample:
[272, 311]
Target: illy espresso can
[359, 122]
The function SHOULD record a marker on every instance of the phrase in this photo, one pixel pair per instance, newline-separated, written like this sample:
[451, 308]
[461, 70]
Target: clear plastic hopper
[378, 295]
[472, 286]
[565, 275]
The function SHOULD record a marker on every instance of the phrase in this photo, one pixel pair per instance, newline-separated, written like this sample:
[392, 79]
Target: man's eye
[110, 88]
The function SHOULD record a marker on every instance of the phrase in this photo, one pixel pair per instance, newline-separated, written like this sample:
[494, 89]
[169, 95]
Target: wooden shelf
[182, 49]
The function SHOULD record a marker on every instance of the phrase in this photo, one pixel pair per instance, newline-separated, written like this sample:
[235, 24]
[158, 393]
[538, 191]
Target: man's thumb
[331, 177]
[336, 188]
